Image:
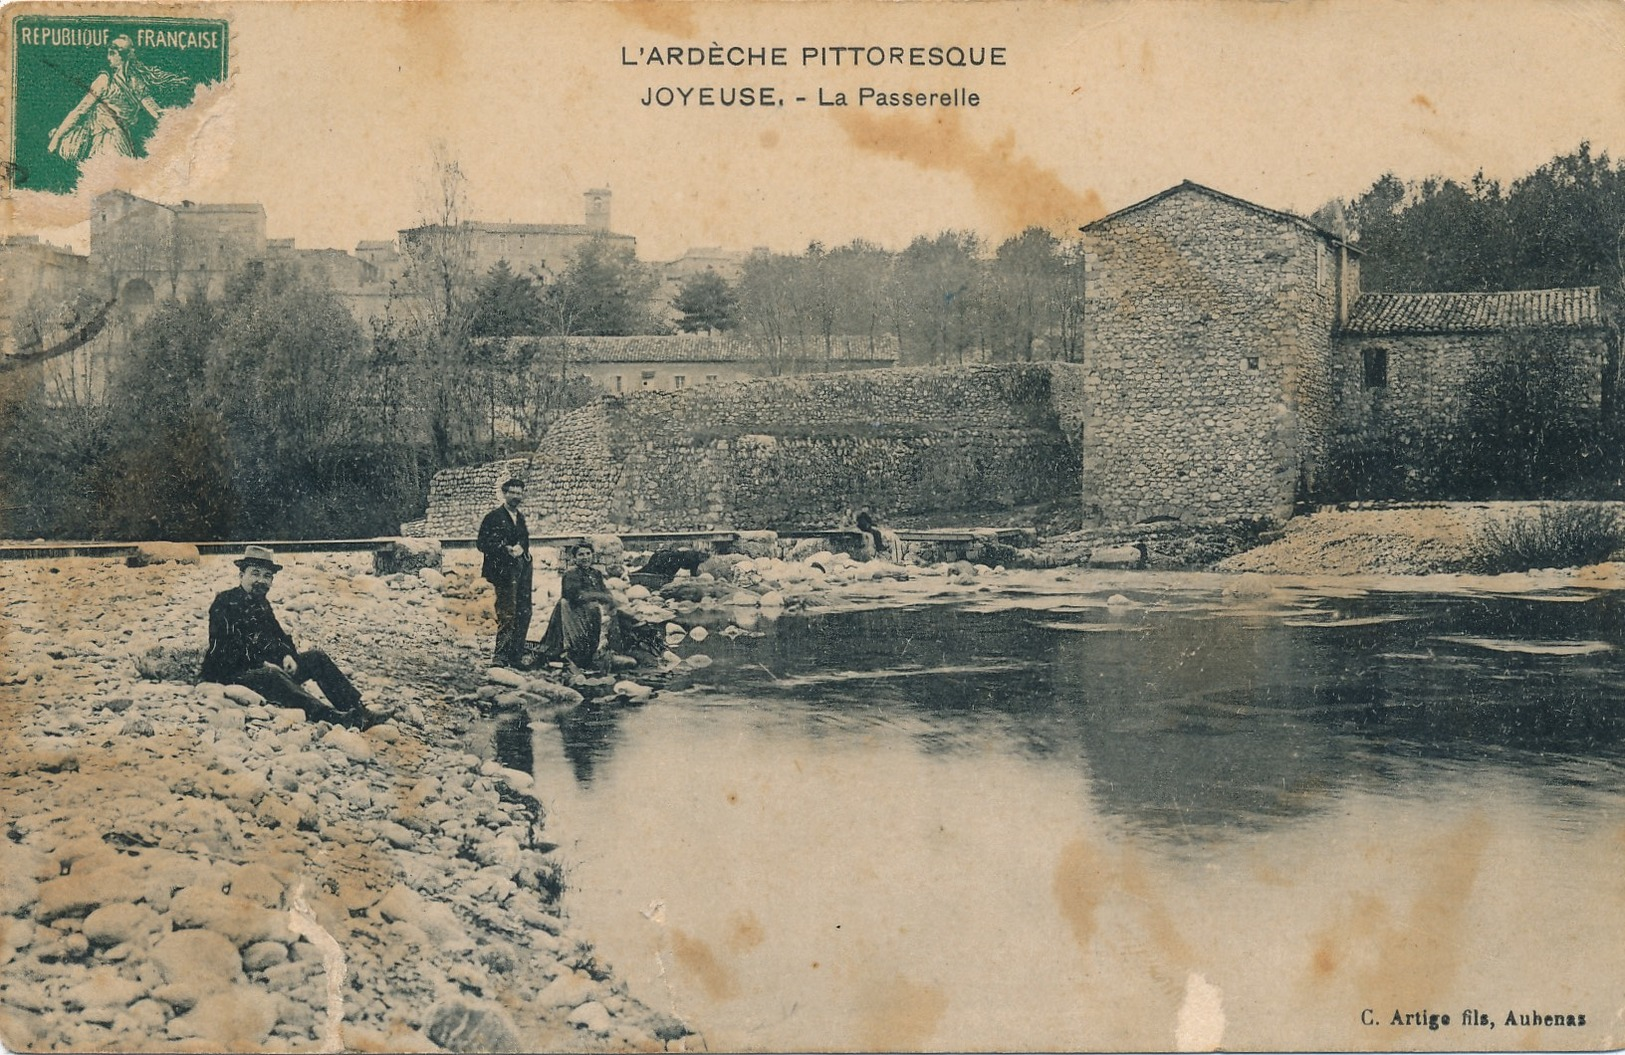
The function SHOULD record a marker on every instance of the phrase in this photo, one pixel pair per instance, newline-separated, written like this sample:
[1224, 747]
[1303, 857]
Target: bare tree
[440, 277]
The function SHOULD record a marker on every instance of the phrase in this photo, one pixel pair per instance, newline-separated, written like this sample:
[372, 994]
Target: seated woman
[576, 627]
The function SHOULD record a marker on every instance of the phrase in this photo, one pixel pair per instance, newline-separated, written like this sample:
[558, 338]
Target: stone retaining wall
[804, 450]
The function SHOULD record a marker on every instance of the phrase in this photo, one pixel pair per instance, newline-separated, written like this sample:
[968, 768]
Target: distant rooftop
[1393, 314]
[701, 348]
[518, 228]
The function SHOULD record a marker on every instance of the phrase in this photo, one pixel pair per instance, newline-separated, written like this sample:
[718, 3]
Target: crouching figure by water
[247, 646]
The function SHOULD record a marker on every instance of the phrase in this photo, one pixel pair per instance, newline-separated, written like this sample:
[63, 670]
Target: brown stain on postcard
[745, 932]
[896, 1014]
[675, 20]
[1082, 878]
[698, 958]
[431, 41]
[1377, 947]
[1024, 193]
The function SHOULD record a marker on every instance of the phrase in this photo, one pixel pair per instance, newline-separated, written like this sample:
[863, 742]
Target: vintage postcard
[1089, 525]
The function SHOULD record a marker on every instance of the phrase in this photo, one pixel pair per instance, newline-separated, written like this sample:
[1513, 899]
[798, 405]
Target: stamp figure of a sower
[107, 114]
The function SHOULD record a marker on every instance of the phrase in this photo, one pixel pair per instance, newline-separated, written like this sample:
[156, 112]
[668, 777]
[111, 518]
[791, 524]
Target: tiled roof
[1382, 314]
[701, 348]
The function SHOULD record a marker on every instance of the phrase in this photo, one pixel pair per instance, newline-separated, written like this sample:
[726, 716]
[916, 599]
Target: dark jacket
[497, 533]
[582, 585]
[243, 633]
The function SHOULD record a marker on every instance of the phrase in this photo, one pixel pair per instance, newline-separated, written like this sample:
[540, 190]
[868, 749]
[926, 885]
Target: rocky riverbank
[1419, 539]
[187, 868]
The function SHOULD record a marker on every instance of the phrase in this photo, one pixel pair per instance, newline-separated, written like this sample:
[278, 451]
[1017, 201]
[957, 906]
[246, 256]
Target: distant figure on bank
[247, 646]
[576, 627]
[505, 541]
[882, 541]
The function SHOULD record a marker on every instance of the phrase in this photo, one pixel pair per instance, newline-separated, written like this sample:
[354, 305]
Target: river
[1158, 812]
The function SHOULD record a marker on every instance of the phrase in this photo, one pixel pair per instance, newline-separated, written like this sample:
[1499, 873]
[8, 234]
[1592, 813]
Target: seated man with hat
[247, 646]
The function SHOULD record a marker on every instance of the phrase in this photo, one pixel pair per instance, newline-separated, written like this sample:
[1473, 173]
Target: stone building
[1229, 355]
[143, 251]
[529, 248]
[726, 264]
[1208, 325]
[37, 279]
[1404, 361]
[673, 362]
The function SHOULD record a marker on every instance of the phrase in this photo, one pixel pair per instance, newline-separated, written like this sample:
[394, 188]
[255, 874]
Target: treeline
[1521, 433]
[946, 299]
[269, 412]
[1561, 225]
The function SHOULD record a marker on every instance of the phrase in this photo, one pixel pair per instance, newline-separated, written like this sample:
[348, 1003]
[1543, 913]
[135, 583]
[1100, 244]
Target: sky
[334, 112]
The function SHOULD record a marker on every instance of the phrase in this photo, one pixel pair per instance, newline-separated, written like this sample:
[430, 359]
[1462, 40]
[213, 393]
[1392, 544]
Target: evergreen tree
[706, 301]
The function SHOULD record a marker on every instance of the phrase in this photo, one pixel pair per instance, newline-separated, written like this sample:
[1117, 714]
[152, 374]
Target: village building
[673, 362]
[1410, 369]
[37, 279]
[1229, 358]
[1229, 354]
[539, 250]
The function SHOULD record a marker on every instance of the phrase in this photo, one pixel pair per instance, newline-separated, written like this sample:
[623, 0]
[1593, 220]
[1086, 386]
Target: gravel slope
[186, 868]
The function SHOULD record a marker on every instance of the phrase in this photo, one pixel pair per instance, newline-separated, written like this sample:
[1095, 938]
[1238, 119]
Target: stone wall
[806, 450]
[1436, 384]
[1427, 375]
[1207, 331]
[459, 497]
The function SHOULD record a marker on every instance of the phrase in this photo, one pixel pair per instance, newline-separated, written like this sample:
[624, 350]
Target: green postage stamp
[88, 86]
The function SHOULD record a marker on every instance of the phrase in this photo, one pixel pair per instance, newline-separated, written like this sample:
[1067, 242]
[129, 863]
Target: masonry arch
[137, 294]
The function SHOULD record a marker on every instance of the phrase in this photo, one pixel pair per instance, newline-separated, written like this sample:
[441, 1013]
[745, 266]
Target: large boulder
[170, 663]
[239, 1018]
[460, 1025]
[149, 553]
[195, 964]
[239, 919]
[406, 555]
[1126, 555]
[755, 544]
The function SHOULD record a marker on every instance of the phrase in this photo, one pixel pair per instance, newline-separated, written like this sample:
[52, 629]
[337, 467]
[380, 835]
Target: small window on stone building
[710, 377]
[648, 375]
[679, 381]
[1252, 362]
[1321, 254]
[1376, 367]
[617, 382]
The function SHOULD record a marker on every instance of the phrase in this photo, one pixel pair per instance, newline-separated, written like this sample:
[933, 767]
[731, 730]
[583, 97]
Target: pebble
[160, 899]
[592, 1016]
[349, 743]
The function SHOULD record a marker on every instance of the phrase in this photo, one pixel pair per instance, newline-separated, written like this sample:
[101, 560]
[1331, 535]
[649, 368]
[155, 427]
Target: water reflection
[1187, 722]
[1031, 823]
[589, 734]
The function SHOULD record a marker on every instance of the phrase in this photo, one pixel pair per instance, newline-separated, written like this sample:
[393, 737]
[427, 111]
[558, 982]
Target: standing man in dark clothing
[505, 541]
[247, 646]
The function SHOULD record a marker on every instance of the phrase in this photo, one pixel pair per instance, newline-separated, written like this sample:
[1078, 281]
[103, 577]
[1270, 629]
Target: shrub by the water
[1554, 536]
